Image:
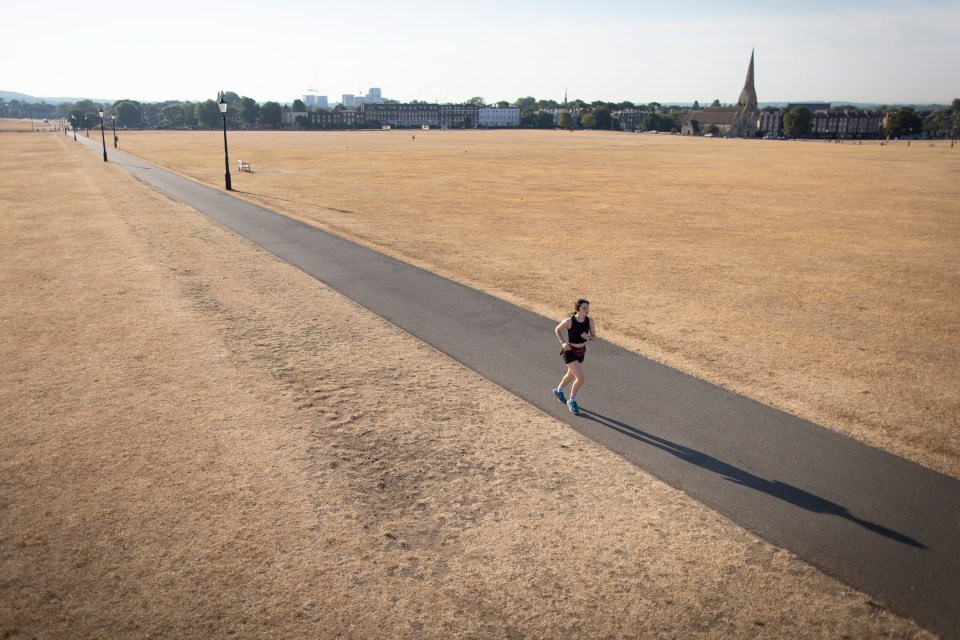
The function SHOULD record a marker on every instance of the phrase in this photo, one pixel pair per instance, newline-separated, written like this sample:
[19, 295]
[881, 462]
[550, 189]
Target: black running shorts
[574, 354]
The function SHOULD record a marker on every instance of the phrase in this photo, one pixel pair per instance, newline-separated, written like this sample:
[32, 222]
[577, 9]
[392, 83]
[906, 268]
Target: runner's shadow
[782, 491]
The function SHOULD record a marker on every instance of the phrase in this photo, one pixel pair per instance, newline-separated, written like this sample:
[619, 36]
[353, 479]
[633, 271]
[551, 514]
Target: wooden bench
[244, 166]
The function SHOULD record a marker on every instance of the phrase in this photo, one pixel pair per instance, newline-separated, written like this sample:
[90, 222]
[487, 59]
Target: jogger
[580, 330]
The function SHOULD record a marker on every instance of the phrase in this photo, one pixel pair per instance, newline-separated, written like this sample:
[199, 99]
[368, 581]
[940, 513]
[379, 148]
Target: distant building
[351, 101]
[770, 121]
[631, 119]
[336, 119]
[739, 121]
[846, 124]
[290, 117]
[414, 116]
[493, 117]
[313, 100]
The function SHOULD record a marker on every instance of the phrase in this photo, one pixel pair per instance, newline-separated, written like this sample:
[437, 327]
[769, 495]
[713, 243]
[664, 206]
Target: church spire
[748, 97]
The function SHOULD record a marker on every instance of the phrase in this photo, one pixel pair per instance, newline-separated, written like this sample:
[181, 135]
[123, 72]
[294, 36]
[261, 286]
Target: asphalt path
[882, 524]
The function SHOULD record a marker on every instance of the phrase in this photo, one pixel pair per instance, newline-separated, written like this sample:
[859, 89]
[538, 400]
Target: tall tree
[905, 122]
[588, 121]
[271, 113]
[128, 114]
[171, 116]
[249, 110]
[477, 100]
[208, 114]
[956, 118]
[526, 104]
[298, 106]
[797, 122]
[566, 120]
[604, 119]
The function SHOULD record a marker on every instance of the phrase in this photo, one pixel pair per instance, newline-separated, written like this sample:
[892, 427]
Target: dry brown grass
[181, 457]
[819, 278]
[25, 124]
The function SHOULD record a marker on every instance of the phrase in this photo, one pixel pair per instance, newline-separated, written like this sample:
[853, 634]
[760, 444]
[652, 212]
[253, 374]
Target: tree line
[534, 113]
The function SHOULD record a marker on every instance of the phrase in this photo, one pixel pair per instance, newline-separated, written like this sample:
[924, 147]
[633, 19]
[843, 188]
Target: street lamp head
[101, 112]
[222, 104]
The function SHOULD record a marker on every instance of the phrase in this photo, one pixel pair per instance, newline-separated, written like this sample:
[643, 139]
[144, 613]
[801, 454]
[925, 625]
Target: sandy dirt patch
[819, 278]
[200, 441]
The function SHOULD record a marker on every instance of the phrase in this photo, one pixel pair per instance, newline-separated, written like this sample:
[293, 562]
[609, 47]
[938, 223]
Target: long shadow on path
[780, 490]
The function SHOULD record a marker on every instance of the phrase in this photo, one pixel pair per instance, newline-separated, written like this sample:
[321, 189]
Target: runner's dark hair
[581, 301]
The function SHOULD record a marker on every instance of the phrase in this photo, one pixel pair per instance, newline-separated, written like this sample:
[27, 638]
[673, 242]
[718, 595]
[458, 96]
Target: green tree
[208, 114]
[905, 122]
[528, 120]
[249, 110]
[716, 103]
[696, 105]
[604, 119]
[77, 118]
[566, 120]
[477, 100]
[544, 120]
[588, 121]
[171, 117]
[128, 114]
[271, 113]
[189, 115]
[659, 122]
[298, 106]
[797, 122]
[526, 104]
[956, 118]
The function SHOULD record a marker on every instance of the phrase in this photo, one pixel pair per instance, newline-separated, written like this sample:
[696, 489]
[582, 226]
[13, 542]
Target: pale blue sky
[883, 51]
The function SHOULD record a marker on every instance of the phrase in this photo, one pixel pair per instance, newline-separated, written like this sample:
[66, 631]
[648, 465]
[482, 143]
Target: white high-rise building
[313, 100]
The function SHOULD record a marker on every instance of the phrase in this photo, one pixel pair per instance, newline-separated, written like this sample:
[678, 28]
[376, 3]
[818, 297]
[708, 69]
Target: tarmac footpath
[880, 523]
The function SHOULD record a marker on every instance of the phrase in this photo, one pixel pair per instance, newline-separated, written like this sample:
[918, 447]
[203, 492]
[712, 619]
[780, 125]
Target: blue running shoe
[559, 393]
[574, 409]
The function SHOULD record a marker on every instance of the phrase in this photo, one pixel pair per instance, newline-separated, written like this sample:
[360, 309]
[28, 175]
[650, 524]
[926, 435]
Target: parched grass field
[817, 277]
[181, 458]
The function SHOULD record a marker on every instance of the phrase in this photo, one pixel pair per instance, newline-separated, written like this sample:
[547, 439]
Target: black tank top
[576, 328]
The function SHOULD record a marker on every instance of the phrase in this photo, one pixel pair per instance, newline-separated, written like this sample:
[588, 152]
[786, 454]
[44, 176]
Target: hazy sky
[882, 51]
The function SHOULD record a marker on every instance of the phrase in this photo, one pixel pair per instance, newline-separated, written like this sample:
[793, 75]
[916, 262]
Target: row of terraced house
[410, 116]
[826, 122]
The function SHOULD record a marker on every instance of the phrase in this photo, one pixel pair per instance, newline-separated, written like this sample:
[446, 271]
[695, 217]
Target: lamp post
[103, 136]
[114, 131]
[226, 156]
[74, 120]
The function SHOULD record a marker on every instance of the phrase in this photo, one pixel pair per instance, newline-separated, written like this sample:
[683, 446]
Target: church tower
[747, 118]
[748, 97]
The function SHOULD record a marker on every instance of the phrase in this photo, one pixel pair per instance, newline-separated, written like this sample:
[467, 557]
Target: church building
[738, 122]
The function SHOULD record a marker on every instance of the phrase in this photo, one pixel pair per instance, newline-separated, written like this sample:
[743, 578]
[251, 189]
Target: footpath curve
[882, 524]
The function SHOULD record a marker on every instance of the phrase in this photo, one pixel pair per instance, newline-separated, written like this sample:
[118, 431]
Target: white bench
[244, 166]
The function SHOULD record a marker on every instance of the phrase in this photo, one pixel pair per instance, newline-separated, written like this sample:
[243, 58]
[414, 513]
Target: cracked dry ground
[201, 441]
